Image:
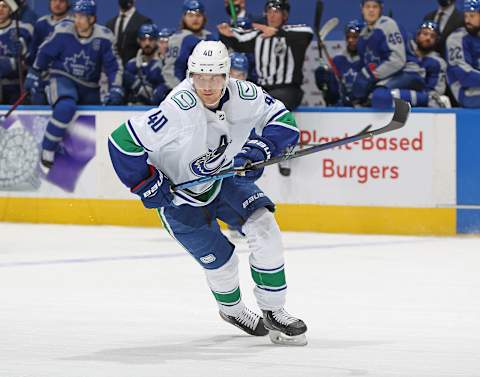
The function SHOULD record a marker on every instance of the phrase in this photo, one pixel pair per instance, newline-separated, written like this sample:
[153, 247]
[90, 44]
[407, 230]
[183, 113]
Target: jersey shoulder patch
[247, 90]
[184, 99]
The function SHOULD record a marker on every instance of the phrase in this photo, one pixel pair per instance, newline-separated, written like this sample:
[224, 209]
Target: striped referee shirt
[279, 59]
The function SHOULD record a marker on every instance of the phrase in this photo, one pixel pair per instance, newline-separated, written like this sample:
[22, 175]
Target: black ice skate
[284, 328]
[248, 321]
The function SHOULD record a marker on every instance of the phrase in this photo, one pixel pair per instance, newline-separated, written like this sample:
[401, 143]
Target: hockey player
[182, 43]
[239, 66]
[202, 128]
[43, 28]
[143, 80]
[348, 63]
[389, 63]
[74, 56]
[435, 70]
[11, 47]
[463, 52]
[163, 37]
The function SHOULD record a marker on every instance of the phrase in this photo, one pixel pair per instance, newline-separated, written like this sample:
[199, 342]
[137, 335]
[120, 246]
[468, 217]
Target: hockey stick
[400, 117]
[17, 103]
[233, 14]
[317, 20]
[331, 24]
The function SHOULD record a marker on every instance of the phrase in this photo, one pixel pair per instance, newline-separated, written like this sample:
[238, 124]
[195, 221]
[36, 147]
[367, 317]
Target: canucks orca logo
[212, 161]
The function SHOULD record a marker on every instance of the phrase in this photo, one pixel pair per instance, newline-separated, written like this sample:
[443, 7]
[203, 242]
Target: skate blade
[280, 338]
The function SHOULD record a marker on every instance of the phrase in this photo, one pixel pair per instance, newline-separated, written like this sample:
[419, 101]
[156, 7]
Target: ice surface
[130, 302]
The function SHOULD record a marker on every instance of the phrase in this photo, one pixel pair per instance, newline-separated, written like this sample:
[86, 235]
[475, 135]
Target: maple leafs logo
[370, 57]
[80, 65]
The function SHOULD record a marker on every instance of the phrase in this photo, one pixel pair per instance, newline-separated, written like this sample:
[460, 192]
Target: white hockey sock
[266, 259]
[224, 284]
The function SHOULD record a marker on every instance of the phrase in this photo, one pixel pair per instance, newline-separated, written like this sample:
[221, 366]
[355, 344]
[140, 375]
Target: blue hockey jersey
[435, 72]
[8, 56]
[348, 65]
[385, 46]
[463, 54]
[143, 81]
[43, 28]
[80, 59]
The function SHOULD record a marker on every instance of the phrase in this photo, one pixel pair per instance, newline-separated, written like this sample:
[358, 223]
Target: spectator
[348, 64]
[11, 49]
[43, 28]
[279, 67]
[182, 43]
[239, 66]
[463, 51]
[448, 19]
[27, 15]
[388, 61]
[125, 27]
[143, 80]
[74, 56]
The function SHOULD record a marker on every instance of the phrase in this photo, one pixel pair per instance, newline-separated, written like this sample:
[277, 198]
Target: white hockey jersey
[185, 140]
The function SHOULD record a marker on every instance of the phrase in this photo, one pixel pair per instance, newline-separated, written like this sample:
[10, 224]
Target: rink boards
[423, 179]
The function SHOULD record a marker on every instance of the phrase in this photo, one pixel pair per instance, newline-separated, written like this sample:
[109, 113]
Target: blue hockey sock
[63, 113]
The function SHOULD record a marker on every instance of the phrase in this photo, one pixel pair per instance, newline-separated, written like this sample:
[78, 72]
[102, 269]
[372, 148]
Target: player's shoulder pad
[103, 32]
[457, 35]
[64, 27]
[245, 90]
[298, 28]
[43, 19]
[387, 24]
[182, 97]
[26, 26]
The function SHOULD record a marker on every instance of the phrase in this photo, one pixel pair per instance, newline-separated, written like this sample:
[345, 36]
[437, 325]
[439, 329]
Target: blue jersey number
[157, 121]
[269, 100]
[455, 53]
[395, 38]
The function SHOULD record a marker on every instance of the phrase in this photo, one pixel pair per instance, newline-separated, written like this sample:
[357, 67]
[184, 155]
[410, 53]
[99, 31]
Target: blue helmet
[354, 26]
[148, 31]
[432, 25]
[380, 2]
[88, 7]
[193, 6]
[471, 6]
[244, 23]
[239, 61]
[165, 33]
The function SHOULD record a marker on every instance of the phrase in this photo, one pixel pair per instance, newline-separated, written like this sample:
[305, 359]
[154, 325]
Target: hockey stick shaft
[400, 117]
[233, 13]
[317, 20]
[17, 103]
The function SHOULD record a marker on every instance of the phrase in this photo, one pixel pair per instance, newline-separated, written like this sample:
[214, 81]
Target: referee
[279, 51]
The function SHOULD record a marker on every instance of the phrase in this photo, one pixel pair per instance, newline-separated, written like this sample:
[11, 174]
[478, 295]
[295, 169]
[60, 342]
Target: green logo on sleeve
[185, 100]
[247, 90]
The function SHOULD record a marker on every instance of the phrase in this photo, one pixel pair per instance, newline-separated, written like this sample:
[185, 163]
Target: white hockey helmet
[209, 57]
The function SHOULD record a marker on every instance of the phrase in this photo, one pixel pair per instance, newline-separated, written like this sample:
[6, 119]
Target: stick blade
[400, 117]
[331, 24]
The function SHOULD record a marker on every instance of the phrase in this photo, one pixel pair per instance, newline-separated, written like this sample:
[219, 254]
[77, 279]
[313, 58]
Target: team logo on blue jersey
[80, 65]
[350, 77]
[370, 57]
[211, 162]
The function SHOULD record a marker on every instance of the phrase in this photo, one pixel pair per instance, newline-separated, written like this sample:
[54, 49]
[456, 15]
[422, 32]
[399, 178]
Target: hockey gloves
[154, 191]
[115, 96]
[32, 81]
[364, 82]
[255, 150]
